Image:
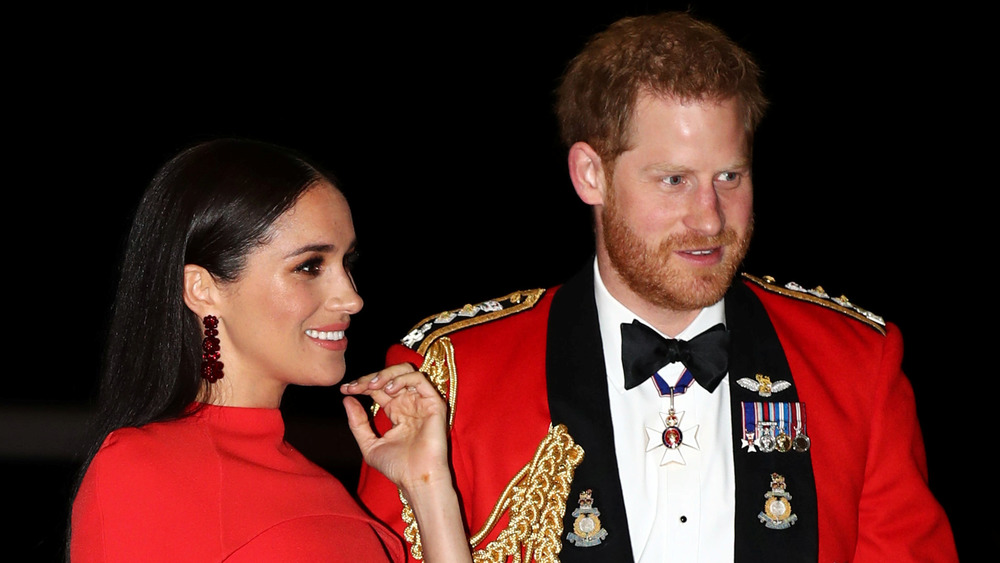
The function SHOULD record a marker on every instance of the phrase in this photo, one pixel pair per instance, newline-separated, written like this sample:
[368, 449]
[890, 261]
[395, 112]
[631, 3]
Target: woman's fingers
[357, 421]
[376, 380]
[391, 383]
[416, 446]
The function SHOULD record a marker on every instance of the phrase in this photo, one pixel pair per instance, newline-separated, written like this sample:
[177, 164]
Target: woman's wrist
[427, 484]
[435, 505]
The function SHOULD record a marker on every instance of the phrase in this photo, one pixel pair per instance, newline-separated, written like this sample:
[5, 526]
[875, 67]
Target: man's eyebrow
[664, 167]
[741, 163]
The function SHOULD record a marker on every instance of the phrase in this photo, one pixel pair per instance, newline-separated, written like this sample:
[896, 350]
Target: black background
[438, 124]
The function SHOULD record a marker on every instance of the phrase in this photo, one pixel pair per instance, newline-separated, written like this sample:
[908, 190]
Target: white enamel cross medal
[671, 437]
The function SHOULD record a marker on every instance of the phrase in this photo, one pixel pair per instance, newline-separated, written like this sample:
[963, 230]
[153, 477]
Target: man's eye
[673, 180]
[730, 179]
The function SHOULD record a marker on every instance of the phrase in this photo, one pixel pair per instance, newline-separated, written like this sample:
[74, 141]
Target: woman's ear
[201, 293]
[587, 173]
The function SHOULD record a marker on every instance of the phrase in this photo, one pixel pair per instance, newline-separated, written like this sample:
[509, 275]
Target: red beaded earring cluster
[211, 367]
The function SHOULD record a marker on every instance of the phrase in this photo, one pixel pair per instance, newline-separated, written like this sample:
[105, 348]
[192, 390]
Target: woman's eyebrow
[319, 247]
[311, 248]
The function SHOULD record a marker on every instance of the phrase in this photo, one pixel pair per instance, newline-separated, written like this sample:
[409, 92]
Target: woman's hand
[414, 452]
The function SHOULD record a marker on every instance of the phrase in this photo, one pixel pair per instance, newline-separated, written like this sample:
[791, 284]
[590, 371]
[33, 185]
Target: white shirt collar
[611, 314]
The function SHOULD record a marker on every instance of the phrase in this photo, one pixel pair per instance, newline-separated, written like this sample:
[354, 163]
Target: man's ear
[201, 293]
[587, 173]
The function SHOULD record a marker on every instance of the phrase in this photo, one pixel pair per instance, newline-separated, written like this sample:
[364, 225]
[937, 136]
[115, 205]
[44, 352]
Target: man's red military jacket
[531, 428]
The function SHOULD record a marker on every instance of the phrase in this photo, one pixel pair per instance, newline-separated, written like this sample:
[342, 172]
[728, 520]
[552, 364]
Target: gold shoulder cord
[439, 366]
[536, 498]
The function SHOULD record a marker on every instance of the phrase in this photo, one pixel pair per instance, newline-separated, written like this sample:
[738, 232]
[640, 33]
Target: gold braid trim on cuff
[536, 499]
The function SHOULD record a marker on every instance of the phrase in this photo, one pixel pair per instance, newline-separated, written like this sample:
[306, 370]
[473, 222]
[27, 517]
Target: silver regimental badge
[587, 530]
[777, 513]
[763, 386]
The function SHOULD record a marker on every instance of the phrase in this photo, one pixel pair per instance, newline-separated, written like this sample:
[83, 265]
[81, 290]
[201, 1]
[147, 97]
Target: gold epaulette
[436, 326]
[820, 297]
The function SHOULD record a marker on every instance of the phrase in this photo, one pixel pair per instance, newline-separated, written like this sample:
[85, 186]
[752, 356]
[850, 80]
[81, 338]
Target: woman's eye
[312, 266]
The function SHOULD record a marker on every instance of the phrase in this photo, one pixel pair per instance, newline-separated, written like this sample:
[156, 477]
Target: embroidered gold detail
[765, 384]
[427, 330]
[439, 365]
[536, 500]
[819, 297]
[536, 497]
[411, 533]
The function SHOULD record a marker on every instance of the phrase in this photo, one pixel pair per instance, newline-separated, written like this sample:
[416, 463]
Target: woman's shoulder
[136, 489]
[132, 462]
[145, 446]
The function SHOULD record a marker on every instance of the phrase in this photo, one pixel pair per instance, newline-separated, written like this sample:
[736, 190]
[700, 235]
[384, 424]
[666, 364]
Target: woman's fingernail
[374, 379]
[389, 385]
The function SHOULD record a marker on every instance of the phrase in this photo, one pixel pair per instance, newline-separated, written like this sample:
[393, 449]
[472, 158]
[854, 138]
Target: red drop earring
[211, 367]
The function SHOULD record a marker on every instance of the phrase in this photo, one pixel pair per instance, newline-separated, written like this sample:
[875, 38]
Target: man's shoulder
[498, 314]
[481, 341]
[795, 300]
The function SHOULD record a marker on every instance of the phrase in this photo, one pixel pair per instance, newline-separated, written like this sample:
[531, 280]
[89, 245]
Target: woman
[236, 283]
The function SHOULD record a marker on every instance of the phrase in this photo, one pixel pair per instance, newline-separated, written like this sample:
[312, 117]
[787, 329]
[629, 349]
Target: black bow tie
[644, 352]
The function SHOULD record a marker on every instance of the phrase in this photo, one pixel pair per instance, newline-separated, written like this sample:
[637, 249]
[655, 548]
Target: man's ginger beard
[648, 270]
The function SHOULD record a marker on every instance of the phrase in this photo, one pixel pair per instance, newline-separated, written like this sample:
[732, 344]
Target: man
[651, 409]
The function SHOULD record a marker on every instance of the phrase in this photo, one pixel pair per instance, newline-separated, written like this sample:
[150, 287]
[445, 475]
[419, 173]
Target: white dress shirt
[680, 507]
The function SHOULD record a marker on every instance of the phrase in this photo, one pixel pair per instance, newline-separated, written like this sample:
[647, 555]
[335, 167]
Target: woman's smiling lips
[330, 337]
